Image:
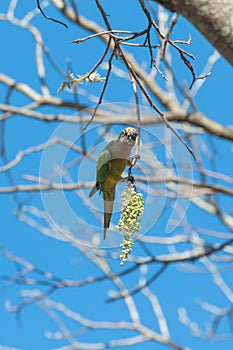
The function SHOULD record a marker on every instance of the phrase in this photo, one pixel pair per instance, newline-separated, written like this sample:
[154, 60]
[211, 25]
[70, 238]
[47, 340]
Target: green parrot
[110, 165]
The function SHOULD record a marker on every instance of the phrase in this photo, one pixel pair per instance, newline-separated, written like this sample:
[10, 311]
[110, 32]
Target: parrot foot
[129, 178]
[137, 156]
[135, 159]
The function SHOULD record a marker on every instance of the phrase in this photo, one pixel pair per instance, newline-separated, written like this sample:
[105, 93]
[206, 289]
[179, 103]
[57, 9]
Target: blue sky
[175, 288]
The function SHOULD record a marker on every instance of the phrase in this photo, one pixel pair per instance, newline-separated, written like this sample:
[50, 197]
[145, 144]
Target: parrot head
[128, 136]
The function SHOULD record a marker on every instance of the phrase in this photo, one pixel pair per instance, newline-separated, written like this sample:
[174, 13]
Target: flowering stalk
[129, 222]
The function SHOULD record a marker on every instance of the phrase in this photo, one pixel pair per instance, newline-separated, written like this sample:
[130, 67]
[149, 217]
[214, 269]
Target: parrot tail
[108, 208]
[94, 189]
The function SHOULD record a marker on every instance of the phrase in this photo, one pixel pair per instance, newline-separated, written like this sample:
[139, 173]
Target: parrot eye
[122, 133]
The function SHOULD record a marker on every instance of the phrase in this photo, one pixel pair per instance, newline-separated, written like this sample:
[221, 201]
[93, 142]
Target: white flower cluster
[92, 78]
[129, 222]
[71, 81]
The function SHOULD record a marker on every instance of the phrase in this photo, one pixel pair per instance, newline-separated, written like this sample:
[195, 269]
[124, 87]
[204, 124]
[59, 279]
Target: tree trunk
[213, 18]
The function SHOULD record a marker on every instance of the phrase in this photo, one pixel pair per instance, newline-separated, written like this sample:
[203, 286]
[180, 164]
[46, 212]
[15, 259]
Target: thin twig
[135, 90]
[156, 108]
[101, 59]
[105, 32]
[167, 36]
[153, 60]
[140, 287]
[49, 18]
[103, 13]
[102, 92]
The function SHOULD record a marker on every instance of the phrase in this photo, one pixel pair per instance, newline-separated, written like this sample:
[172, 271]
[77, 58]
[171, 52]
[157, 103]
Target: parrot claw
[136, 156]
[134, 159]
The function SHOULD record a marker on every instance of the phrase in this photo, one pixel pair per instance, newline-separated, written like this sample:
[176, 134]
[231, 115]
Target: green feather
[103, 166]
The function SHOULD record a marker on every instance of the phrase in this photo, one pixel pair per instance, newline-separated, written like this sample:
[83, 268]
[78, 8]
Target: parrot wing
[103, 168]
[103, 171]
